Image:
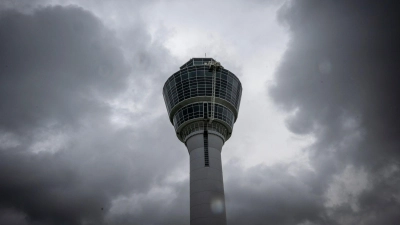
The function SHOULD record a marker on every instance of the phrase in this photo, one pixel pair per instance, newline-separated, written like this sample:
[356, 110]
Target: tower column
[207, 199]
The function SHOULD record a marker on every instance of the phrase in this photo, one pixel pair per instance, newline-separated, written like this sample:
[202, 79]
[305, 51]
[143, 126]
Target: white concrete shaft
[207, 199]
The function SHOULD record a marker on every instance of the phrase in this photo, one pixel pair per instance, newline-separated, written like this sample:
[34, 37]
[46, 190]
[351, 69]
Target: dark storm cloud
[62, 161]
[270, 194]
[339, 78]
[78, 184]
[54, 64]
[21, 5]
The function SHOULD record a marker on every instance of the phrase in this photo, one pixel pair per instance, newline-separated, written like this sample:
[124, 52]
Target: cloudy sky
[85, 137]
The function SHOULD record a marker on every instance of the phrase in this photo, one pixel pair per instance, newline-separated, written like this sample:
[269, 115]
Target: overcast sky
[85, 136]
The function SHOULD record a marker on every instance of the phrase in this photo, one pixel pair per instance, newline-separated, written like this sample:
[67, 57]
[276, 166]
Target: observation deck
[202, 97]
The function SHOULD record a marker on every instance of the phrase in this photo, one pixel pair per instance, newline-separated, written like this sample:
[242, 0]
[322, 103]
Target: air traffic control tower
[203, 100]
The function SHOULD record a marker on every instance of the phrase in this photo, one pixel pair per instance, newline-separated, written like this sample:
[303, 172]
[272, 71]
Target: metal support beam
[213, 66]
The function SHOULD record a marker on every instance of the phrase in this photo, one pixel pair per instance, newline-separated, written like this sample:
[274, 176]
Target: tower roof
[196, 62]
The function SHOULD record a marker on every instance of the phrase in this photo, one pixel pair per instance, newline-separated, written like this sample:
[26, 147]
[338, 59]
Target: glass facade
[193, 82]
[194, 79]
[196, 110]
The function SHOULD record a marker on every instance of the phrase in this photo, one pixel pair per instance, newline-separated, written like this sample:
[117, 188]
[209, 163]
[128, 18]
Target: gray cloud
[63, 161]
[339, 78]
[79, 183]
[273, 195]
[55, 64]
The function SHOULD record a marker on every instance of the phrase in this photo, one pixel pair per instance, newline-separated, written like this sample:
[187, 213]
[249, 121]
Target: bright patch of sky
[238, 40]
